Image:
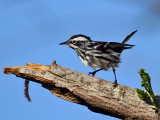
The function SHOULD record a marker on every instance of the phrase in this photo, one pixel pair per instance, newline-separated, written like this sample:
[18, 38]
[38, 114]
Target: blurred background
[31, 30]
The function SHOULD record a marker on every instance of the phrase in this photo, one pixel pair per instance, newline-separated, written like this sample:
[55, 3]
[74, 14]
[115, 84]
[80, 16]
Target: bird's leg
[115, 82]
[94, 72]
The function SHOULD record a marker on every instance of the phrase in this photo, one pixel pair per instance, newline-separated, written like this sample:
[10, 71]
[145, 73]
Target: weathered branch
[97, 94]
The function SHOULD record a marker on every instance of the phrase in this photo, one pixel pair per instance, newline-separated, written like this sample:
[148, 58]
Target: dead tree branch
[97, 94]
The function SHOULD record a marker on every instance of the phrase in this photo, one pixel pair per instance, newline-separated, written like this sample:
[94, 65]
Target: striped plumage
[99, 54]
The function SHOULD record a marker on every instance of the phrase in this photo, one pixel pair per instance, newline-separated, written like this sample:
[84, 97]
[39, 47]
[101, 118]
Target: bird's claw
[115, 84]
[92, 73]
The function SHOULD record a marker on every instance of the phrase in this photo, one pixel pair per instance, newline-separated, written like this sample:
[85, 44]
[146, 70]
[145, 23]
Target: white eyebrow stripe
[80, 39]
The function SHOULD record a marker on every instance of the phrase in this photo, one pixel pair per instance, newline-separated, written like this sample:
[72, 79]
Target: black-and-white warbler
[103, 55]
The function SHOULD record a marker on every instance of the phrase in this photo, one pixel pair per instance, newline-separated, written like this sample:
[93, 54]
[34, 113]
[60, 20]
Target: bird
[98, 54]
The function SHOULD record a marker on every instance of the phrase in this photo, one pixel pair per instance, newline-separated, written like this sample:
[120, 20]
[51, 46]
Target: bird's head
[76, 41]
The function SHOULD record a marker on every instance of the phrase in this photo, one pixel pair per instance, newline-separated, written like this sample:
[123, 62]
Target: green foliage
[143, 95]
[147, 95]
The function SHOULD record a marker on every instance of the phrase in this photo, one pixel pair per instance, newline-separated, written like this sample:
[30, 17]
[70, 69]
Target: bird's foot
[92, 73]
[115, 84]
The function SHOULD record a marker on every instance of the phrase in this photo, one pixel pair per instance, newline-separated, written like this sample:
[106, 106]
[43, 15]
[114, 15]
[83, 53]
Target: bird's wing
[104, 46]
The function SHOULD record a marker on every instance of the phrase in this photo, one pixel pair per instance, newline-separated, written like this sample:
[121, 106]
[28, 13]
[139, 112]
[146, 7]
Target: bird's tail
[128, 37]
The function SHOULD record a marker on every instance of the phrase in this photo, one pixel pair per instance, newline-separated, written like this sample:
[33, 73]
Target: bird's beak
[63, 43]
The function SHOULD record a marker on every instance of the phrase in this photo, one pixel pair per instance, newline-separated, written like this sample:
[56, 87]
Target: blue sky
[31, 30]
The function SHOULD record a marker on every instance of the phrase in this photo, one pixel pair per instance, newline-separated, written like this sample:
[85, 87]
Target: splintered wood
[97, 94]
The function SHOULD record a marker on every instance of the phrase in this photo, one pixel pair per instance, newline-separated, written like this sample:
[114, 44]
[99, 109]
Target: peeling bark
[26, 93]
[97, 94]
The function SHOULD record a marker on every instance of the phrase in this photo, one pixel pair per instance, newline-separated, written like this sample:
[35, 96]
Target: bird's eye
[74, 42]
